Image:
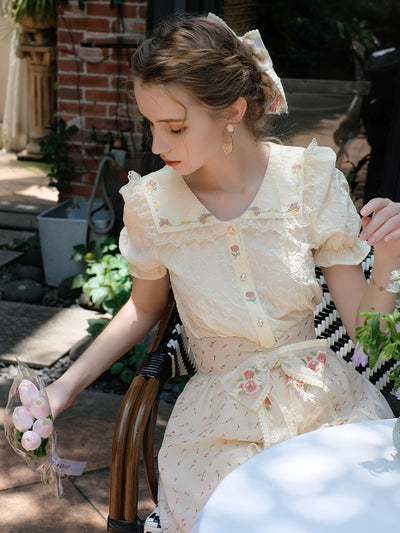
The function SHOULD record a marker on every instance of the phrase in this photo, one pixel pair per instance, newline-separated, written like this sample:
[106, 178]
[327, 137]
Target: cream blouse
[252, 276]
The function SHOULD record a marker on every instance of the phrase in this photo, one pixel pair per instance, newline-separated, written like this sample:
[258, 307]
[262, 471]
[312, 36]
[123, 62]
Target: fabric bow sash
[294, 365]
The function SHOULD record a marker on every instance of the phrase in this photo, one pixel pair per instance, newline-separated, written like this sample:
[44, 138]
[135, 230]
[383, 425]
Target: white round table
[338, 479]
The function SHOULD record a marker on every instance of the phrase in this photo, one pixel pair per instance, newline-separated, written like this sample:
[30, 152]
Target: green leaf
[99, 294]
[78, 281]
[127, 375]
[97, 325]
[116, 368]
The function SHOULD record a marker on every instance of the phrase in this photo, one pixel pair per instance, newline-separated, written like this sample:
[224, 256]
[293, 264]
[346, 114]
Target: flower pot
[60, 229]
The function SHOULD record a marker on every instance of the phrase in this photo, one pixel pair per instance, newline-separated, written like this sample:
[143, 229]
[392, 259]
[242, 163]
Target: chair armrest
[135, 427]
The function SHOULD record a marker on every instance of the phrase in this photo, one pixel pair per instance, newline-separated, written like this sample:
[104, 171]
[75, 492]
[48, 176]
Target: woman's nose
[159, 144]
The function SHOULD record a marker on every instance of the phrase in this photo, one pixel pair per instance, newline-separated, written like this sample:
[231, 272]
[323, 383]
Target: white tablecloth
[343, 479]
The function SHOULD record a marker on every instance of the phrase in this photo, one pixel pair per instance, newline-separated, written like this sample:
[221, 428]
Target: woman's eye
[177, 132]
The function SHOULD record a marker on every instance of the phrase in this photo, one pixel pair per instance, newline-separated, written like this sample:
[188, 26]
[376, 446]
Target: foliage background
[304, 40]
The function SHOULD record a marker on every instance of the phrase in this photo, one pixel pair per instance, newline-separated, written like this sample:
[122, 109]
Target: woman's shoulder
[141, 185]
[312, 154]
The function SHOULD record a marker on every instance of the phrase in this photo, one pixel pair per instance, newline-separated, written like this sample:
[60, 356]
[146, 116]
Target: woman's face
[185, 135]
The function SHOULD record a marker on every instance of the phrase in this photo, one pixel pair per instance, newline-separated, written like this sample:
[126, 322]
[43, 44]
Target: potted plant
[35, 15]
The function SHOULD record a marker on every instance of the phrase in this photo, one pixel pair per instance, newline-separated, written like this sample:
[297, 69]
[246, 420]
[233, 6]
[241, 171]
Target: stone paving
[84, 433]
[40, 335]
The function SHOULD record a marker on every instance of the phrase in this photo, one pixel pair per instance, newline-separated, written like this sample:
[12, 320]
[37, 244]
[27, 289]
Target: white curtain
[16, 106]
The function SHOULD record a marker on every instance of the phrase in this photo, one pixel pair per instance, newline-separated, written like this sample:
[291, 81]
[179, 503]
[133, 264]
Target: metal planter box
[60, 229]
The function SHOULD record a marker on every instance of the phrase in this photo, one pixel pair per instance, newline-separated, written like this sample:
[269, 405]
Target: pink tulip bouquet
[379, 337]
[29, 429]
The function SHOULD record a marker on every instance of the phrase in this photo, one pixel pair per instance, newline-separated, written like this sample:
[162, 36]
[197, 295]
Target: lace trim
[318, 164]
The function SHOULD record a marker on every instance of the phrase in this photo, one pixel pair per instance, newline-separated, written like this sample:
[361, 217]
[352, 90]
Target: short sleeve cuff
[338, 251]
[155, 273]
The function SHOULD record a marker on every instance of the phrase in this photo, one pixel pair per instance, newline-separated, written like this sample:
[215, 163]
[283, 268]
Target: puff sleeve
[135, 244]
[335, 223]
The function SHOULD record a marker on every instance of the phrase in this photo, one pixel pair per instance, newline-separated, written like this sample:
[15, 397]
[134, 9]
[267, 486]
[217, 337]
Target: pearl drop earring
[228, 144]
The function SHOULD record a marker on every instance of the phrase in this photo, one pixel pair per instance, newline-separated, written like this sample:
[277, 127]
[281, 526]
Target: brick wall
[93, 66]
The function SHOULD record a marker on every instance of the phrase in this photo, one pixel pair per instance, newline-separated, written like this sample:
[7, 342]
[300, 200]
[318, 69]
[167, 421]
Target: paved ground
[84, 433]
[41, 335]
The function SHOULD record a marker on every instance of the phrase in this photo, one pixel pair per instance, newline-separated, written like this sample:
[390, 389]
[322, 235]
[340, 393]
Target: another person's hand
[382, 230]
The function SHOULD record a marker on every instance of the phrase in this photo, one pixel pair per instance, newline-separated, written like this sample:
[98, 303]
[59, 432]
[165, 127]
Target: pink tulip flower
[27, 392]
[22, 418]
[43, 427]
[39, 408]
[30, 440]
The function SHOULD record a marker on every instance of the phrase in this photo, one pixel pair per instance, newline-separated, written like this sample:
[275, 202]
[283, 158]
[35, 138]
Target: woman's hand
[59, 397]
[382, 230]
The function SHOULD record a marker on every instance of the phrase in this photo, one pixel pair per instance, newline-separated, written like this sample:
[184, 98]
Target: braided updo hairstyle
[205, 58]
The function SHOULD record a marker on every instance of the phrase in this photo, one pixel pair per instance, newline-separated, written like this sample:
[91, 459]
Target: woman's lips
[171, 163]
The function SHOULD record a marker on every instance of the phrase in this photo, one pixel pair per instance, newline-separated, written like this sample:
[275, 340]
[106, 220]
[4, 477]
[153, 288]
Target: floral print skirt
[245, 398]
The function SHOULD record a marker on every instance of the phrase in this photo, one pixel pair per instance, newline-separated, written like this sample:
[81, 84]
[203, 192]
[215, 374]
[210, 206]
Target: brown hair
[205, 58]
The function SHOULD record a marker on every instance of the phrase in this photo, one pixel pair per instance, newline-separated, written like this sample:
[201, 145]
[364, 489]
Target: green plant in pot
[33, 15]
[36, 14]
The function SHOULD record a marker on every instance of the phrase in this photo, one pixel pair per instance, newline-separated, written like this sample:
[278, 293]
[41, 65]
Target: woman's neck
[227, 185]
[232, 173]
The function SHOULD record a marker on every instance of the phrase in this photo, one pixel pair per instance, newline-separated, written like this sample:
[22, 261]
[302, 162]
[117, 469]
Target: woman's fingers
[385, 222]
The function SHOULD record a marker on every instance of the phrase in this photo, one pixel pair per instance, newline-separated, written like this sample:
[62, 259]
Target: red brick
[68, 65]
[69, 93]
[142, 12]
[69, 108]
[107, 68]
[68, 9]
[135, 26]
[93, 95]
[92, 55]
[129, 11]
[96, 9]
[95, 151]
[69, 37]
[101, 123]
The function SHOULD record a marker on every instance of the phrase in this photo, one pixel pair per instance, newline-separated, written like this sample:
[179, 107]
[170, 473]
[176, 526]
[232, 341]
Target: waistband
[223, 354]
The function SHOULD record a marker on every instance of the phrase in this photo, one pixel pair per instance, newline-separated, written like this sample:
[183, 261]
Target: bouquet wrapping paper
[29, 429]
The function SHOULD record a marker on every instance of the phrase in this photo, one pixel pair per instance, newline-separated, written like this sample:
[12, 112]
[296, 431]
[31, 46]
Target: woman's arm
[135, 319]
[349, 290]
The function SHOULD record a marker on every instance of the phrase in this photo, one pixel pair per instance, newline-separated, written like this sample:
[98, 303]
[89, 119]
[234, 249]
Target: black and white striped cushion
[152, 523]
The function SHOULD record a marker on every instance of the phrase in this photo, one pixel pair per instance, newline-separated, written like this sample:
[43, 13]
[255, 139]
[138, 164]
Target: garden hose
[106, 167]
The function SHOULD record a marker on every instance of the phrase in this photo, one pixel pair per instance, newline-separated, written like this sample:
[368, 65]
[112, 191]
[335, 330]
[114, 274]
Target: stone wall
[94, 49]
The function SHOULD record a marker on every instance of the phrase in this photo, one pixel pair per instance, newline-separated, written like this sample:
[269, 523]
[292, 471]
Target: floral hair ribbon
[253, 40]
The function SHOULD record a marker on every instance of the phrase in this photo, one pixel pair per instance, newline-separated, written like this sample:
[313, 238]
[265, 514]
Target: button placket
[247, 286]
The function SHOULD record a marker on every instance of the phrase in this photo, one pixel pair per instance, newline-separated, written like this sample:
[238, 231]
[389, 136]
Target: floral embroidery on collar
[151, 187]
[293, 208]
[175, 208]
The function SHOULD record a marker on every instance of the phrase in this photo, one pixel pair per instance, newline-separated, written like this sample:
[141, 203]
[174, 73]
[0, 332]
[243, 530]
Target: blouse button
[243, 277]
[231, 229]
[260, 323]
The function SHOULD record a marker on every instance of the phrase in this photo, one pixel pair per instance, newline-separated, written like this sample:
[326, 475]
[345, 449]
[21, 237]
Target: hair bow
[253, 40]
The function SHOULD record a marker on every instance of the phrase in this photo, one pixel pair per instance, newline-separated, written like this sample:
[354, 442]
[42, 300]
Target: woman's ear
[236, 111]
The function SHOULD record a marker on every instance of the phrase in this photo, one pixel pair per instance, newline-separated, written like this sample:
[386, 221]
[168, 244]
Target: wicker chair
[168, 357]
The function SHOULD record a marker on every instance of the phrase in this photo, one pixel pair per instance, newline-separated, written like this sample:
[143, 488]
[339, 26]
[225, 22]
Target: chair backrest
[328, 325]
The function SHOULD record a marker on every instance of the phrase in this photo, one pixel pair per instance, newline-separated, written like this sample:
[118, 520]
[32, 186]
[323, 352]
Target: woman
[235, 226]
